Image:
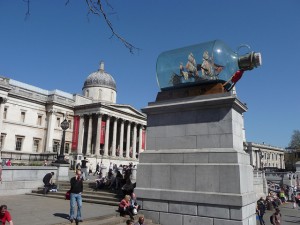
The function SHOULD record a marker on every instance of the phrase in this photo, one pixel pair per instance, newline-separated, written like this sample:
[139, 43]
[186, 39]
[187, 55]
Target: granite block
[197, 157]
[242, 213]
[197, 220]
[183, 177]
[230, 179]
[230, 222]
[186, 142]
[208, 141]
[196, 129]
[144, 171]
[207, 178]
[213, 211]
[160, 177]
[186, 209]
[155, 206]
[171, 219]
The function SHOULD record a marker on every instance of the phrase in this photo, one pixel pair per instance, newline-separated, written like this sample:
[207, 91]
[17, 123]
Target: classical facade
[262, 155]
[99, 128]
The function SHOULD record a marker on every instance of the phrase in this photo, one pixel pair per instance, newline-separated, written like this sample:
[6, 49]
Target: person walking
[5, 215]
[75, 196]
[276, 217]
[97, 169]
[84, 168]
[261, 209]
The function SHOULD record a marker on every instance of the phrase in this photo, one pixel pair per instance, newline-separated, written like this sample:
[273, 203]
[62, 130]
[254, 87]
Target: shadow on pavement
[62, 215]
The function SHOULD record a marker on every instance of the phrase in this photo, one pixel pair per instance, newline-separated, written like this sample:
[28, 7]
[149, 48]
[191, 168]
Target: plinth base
[62, 171]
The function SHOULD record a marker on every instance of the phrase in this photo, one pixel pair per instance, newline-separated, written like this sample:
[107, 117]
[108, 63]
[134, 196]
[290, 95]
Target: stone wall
[23, 179]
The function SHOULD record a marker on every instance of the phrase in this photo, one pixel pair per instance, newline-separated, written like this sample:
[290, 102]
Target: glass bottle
[209, 62]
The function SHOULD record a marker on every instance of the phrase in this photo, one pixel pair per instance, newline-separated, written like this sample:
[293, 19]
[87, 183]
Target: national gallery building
[99, 128]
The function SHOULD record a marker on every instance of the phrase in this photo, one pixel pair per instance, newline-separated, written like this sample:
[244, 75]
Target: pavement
[37, 210]
[40, 210]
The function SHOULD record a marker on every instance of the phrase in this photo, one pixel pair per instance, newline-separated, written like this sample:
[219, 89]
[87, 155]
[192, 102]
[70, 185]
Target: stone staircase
[90, 194]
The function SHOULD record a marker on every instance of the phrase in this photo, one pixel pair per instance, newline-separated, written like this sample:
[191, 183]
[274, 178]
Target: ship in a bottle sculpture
[203, 67]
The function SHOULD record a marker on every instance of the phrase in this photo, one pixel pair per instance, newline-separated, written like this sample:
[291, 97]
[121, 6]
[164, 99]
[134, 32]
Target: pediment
[127, 109]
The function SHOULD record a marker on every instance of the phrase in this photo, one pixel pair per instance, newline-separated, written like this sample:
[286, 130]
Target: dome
[100, 79]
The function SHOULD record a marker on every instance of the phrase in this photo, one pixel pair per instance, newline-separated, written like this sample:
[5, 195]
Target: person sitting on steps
[124, 207]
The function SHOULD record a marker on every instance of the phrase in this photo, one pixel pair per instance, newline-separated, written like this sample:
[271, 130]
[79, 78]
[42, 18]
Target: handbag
[67, 196]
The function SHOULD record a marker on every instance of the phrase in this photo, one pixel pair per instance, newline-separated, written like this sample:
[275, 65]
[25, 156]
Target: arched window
[87, 93]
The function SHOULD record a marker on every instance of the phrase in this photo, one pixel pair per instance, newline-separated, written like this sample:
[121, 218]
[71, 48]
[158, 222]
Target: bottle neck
[249, 61]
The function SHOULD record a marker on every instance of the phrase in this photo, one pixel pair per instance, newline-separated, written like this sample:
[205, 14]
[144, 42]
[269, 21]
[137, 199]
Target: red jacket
[124, 204]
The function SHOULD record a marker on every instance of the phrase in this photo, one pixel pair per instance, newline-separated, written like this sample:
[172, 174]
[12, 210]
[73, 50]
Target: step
[89, 200]
[84, 195]
[88, 191]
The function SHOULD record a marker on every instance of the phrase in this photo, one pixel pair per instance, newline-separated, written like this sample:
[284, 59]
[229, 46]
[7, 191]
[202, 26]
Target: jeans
[73, 199]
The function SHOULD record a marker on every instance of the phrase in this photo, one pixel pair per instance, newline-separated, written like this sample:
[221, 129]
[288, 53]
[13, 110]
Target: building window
[36, 144]
[58, 122]
[67, 147]
[70, 124]
[19, 143]
[2, 140]
[5, 113]
[55, 146]
[87, 93]
[39, 120]
[22, 117]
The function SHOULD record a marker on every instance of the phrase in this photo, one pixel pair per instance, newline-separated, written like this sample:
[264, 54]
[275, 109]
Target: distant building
[101, 129]
[262, 156]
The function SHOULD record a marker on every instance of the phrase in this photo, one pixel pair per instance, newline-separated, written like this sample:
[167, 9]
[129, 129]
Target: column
[140, 138]
[106, 136]
[121, 139]
[128, 139]
[50, 130]
[80, 134]
[89, 137]
[2, 102]
[98, 131]
[134, 141]
[114, 137]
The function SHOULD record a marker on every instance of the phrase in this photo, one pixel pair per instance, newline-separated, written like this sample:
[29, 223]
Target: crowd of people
[276, 197]
[117, 178]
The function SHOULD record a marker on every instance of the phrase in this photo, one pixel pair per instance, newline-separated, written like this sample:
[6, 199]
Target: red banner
[75, 133]
[102, 133]
[143, 139]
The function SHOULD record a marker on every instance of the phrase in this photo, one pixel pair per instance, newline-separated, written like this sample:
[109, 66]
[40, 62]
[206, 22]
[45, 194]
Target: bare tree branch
[27, 14]
[96, 7]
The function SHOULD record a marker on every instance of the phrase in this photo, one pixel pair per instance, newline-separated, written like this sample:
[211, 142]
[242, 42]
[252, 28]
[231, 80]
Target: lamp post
[64, 126]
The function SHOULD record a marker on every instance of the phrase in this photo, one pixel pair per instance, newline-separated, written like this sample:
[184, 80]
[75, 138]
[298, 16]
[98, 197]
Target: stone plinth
[195, 170]
[62, 171]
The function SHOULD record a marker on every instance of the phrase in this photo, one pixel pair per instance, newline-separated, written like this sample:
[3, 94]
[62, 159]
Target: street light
[64, 126]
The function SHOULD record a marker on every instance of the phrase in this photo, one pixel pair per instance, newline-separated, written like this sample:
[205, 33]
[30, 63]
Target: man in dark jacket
[75, 196]
[47, 180]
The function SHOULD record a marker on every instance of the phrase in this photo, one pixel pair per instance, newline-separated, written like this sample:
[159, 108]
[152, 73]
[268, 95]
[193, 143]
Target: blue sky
[58, 46]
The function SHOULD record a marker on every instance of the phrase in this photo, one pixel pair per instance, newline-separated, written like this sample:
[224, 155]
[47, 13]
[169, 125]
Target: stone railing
[23, 179]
